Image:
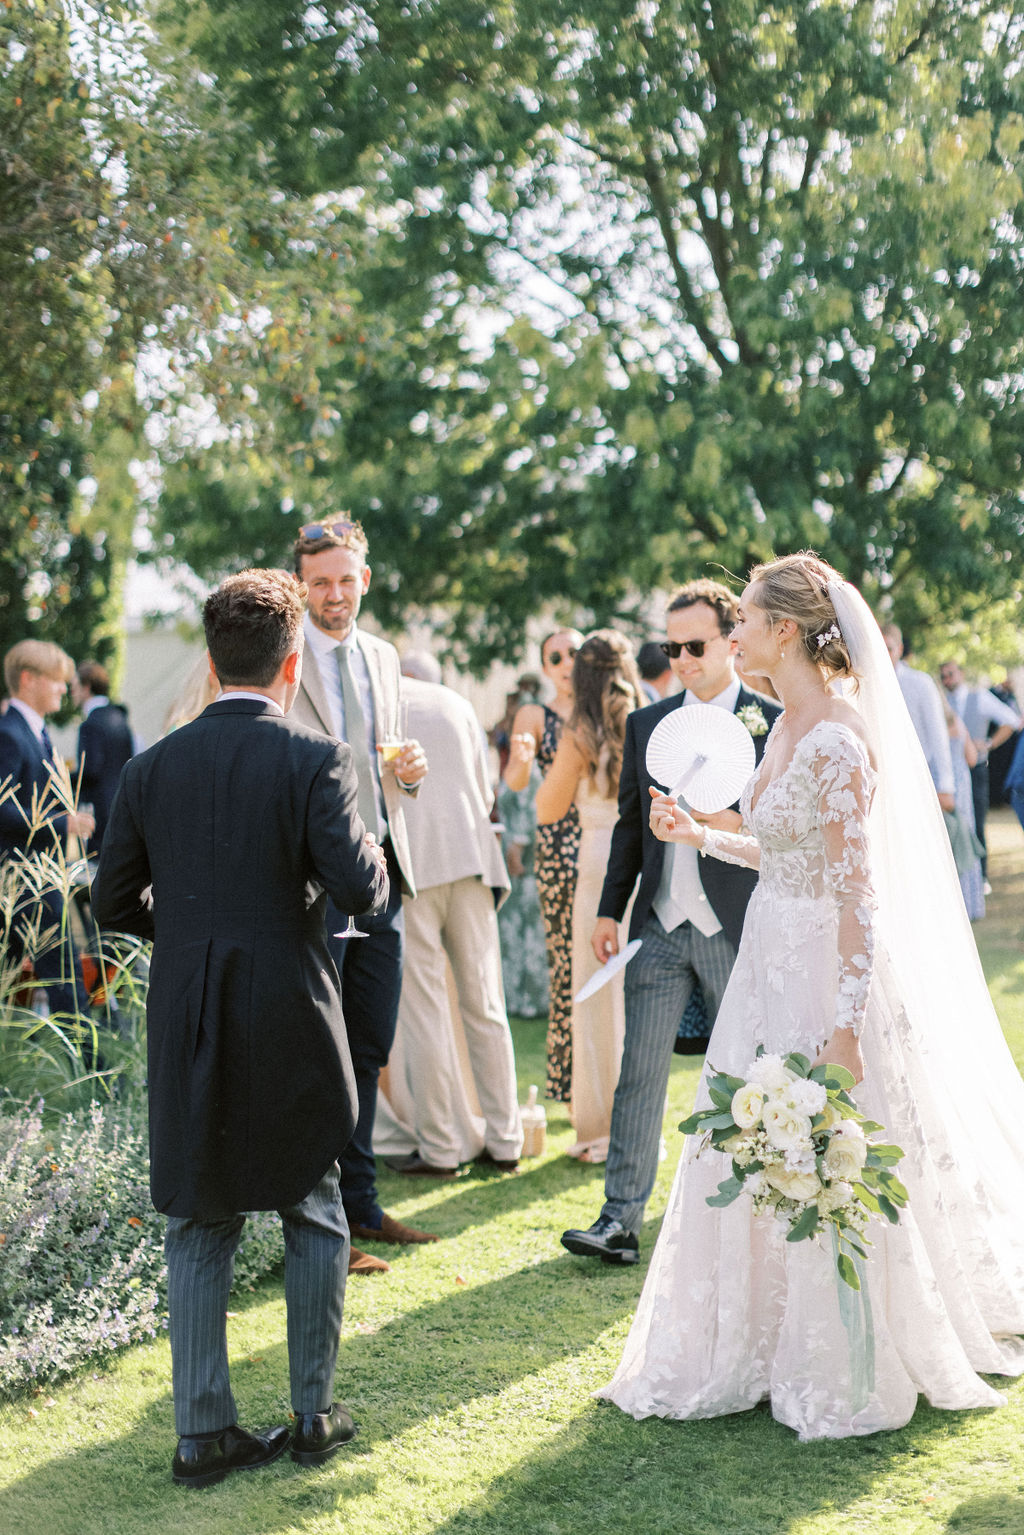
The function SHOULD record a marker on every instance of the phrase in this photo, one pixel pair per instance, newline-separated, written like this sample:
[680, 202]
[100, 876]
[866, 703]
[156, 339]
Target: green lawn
[469, 1369]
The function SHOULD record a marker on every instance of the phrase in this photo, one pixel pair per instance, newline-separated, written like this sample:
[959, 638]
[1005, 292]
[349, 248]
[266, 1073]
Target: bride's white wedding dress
[732, 1314]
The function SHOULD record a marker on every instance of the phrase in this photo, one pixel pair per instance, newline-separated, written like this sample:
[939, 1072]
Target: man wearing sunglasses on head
[350, 690]
[688, 912]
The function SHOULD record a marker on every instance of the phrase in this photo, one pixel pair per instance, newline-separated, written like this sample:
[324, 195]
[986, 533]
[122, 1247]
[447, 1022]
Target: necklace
[789, 707]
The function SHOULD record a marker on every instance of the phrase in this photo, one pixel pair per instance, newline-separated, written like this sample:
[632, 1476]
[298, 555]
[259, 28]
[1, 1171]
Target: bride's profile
[856, 950]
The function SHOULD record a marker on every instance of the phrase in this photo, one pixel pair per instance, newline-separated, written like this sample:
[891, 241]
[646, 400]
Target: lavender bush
[81, 1248]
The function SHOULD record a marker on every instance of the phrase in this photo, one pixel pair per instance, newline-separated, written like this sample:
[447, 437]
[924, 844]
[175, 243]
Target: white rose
[835, 1196]
[845, 1157]
[746, 1106]
[807, 1097]
[804, 1187]
[769, 1072]
[786, 1129]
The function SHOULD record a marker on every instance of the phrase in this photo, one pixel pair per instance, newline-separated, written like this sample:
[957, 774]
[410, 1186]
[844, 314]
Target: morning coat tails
[240, 821]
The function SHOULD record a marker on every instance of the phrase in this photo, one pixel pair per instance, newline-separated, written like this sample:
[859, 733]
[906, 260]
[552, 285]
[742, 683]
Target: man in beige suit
[349, 690]
[450, 1090]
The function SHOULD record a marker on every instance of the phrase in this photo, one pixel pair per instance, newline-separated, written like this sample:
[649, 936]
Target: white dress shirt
[324, 648]
[680, 896]
[978, 708]
[924, 705]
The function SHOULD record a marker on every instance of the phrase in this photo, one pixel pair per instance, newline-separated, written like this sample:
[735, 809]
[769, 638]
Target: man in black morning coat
[241, 822]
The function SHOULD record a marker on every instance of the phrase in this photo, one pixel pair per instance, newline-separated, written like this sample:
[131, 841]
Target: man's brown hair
[339, 533]
[94, 676]
[714, 595]
[252, 622]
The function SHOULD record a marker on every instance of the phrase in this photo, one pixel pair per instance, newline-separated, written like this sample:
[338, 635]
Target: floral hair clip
[831, 633]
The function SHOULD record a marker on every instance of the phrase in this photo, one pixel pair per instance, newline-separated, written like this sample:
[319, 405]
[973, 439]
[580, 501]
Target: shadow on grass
[731, 1476]
[1002, 1514]
[479, 1195]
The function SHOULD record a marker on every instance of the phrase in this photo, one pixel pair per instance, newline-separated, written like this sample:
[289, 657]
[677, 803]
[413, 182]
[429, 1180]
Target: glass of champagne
[395, 734]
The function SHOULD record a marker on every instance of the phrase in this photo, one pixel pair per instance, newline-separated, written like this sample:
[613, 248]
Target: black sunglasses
[674, 648]
[324, 529]
[555, 656]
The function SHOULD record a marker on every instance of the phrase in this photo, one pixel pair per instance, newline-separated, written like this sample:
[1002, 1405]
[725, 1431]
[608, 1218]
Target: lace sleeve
[731, 847]
[845, 786]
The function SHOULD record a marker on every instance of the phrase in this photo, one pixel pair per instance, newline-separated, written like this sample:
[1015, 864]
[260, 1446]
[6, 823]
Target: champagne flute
[351, 931]
[395, 735]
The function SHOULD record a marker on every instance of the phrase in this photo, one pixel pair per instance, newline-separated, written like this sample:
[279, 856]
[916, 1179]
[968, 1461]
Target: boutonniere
[752, 719]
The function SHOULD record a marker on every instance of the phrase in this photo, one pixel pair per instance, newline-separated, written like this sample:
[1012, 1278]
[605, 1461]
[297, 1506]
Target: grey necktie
[355, 732]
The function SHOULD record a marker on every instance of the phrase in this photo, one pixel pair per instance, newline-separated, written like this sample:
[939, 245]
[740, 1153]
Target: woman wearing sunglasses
[536, 730]
[585, 775]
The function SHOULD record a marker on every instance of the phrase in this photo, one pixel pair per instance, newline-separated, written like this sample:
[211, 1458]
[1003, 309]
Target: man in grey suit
[350, 690]
[239, 823]
[688, 912]
[461, 880]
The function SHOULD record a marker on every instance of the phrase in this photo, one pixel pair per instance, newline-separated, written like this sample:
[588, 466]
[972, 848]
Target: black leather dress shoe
[319, 1434]
[203, 1459]
[606, 1238]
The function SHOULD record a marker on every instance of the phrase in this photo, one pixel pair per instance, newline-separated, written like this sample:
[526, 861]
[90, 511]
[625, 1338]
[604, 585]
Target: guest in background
[585, 772]
[656, 677]
[449, 1091]
[999, 760]
[105, 744]
[526, 691]
[350, 690]
[35, 817]
[979, 709]
[1014, 781]
[524, 960]
[925, 706]
[960, 820]
[535, 734]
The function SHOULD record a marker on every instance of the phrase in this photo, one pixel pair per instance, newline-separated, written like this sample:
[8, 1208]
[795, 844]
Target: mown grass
[470, 1368]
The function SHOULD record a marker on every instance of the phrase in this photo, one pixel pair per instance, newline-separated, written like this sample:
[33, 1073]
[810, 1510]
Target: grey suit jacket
[311, 708]
[450, 831]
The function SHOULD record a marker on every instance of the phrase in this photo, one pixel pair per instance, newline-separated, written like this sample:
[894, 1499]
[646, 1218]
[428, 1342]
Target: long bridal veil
[923, 924]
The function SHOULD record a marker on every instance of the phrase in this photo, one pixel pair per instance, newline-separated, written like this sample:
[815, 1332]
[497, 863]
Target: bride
[856, 950]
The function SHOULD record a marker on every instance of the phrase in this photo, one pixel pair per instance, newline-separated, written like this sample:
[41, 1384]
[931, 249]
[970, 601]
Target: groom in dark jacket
[688, 912]
[241, 822]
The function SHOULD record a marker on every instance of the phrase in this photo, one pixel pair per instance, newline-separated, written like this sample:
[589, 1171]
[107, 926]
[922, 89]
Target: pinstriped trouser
[658, 986]
[200, 1263]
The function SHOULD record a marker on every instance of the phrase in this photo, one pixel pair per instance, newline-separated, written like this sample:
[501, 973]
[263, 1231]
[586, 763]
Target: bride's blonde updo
[796, 587]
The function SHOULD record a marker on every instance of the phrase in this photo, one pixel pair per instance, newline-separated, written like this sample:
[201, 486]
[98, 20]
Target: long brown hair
[606, 687]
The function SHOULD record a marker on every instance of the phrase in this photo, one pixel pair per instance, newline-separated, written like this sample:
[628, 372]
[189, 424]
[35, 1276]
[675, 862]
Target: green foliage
[81, 1258]
[722, 286]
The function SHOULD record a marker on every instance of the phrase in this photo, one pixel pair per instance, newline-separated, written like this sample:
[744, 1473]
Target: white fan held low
[703, 752]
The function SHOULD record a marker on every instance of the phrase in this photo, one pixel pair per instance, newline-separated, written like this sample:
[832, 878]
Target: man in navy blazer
[105, 744]
[34, 818]
[687, 911]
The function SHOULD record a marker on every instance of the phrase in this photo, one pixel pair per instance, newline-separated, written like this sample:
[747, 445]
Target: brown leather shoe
[415, 1167]
[366, 1263]
[501, 1165]
[392, 1231]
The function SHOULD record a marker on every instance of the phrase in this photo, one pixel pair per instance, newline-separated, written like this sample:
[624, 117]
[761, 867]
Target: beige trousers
[450, 1088]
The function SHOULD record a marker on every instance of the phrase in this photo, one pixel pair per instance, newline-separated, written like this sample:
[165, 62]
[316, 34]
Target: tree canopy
[569, 303]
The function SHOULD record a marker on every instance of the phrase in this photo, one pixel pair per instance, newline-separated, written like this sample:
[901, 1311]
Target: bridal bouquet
[800, 1149]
